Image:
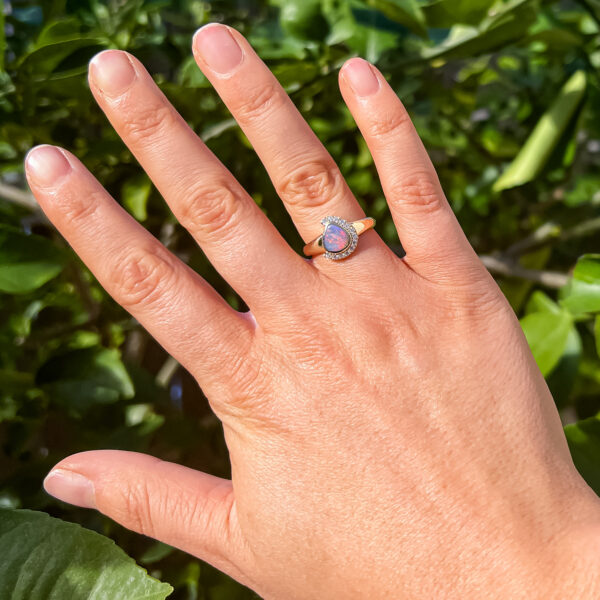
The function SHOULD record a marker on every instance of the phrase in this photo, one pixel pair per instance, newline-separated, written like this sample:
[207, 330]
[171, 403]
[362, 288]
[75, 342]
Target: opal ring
[339, 238]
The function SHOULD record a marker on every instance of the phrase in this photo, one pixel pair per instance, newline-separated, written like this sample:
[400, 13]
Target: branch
[83, 287]
[551, 232]
[580, 230]
[166, 372]
[135, 346]
[18, 196]
[509, 268]
[542, 235]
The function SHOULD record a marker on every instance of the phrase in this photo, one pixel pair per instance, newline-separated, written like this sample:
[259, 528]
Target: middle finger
[303, 172]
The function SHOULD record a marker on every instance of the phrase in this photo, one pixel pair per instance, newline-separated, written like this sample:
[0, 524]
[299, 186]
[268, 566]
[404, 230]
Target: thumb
[182, 507]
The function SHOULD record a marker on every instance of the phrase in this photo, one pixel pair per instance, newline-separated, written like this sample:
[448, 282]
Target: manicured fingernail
[46, 164]
[218, 48]
[70, 487]
[359, 74]
[112, 72]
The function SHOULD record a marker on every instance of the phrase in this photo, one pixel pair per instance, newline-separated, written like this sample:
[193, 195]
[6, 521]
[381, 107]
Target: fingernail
[359, 74]
[218, 48]
[112, 72]
[70, 487]
[46, 164]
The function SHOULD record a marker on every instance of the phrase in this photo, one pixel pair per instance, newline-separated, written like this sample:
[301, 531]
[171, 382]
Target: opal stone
[335, 239]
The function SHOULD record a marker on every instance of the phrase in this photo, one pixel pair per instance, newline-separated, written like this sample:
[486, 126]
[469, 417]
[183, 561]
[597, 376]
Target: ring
[339, 238]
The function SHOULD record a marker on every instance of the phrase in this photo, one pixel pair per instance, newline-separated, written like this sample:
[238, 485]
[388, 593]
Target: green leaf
[303, 19]
[506, 23]
[135, 193]
[59, 30]
[363, 36]
[541, 302]
[293, 75]
[43, 62]
[597, 333]
[564, 374]
[584, 443]
[405, 12]
[517, 290]
[156, 553]
[85, 377]
[547, 334]
[538, 148]
[582, 293]
[27, 261]
[48, 559]
[446, 13]
[189, 75]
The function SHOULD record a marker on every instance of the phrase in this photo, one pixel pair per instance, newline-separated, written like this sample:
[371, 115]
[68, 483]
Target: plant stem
[510, 268]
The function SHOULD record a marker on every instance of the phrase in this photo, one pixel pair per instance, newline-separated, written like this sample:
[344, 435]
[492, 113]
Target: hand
[390, 433]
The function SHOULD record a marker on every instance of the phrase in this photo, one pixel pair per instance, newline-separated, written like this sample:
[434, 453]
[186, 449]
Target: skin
[389, 431]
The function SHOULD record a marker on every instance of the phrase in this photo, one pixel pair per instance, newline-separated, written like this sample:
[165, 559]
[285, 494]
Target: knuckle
[137, 507]
[312, 184]
[257, 103]
[476, 298]
[486, 299]
[389, 124]
[144, 123]
[141, 276]
[246, 378]
[78, 207]
[211, 210]
[418, 191]
[245, 398]
[148, 504]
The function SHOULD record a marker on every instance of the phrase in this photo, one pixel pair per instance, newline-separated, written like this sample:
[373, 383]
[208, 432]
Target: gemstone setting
[339, 238]
[335, 239]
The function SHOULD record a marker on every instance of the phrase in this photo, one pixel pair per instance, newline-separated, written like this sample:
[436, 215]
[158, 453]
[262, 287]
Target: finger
[303, 173]
[183, 313]
[238, 239]
[188, 509]
[434, 242]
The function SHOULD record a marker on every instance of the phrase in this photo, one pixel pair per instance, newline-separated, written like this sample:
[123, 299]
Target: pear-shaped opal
[335, 239]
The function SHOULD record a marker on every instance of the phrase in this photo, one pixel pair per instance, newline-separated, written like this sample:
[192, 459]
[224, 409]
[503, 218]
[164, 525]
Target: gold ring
[339, 238]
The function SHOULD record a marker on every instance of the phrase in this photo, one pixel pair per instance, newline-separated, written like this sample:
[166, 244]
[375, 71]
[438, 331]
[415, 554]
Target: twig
[548, 231]
[580, 230]
[509, 268]
[18, 196]
[135, 346]
[85, 293]
[551, 232]
[166, 372]
[54, 332]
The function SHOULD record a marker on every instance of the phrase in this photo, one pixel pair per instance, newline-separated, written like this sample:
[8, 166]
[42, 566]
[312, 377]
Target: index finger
[181, 310]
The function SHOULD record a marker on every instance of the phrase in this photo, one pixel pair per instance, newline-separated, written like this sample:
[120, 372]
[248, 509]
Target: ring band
[339, 238]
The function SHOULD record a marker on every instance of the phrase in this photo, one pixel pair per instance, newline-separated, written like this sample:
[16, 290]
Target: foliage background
[480, 78]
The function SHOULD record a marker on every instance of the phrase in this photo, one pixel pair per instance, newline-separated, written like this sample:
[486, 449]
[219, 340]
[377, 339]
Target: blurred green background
[506, 98]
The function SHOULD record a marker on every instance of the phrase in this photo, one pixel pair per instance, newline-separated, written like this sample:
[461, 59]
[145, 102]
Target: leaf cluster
[504, 93]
